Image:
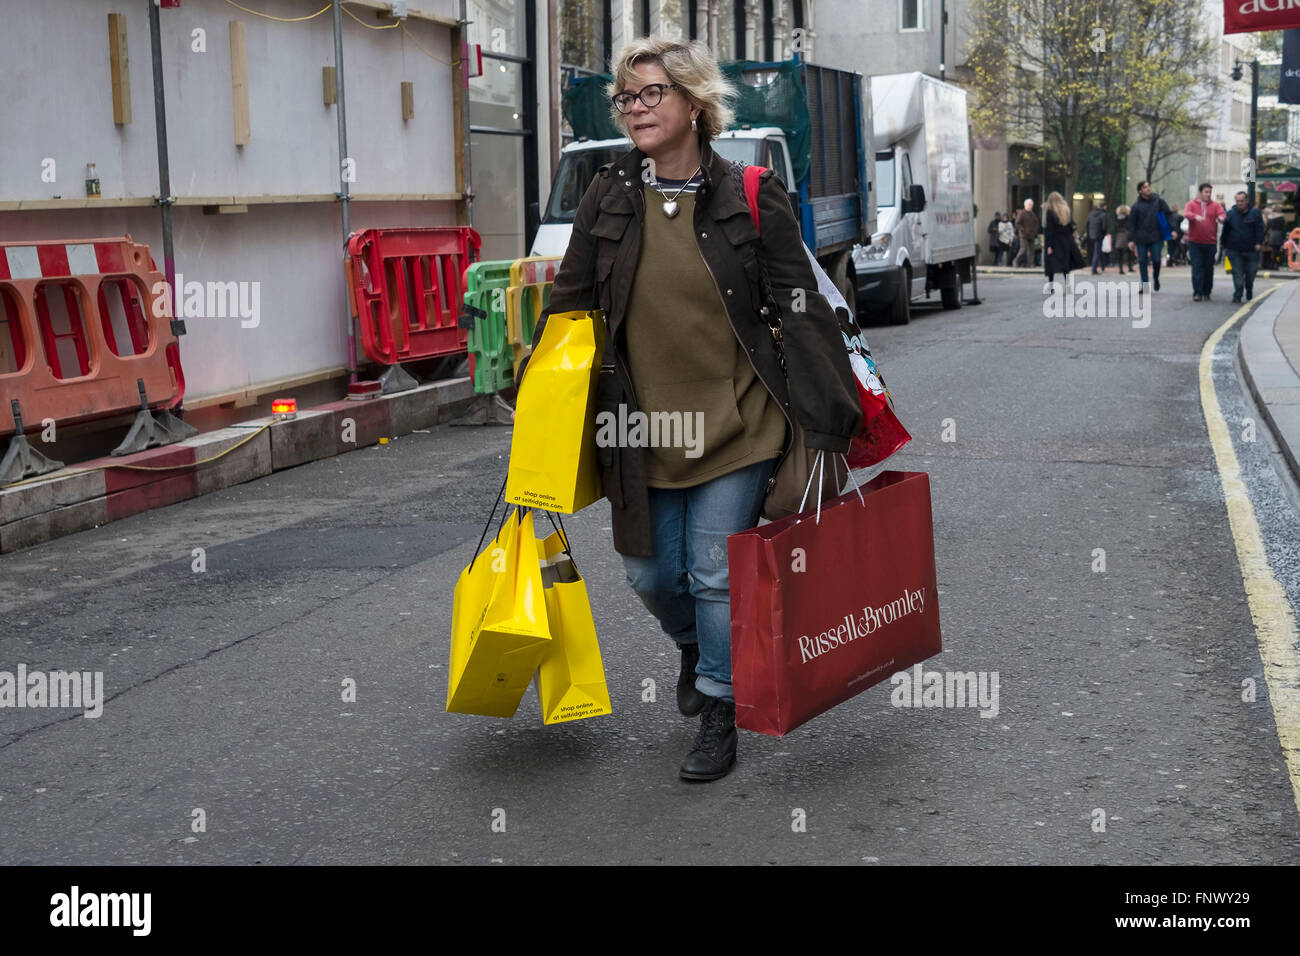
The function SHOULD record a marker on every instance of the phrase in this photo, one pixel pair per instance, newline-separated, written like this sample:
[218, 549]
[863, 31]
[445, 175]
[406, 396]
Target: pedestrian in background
[1096, 229]
[1146, 237]
[1275, 236]
[1006, 237]
[994, 245]
[1027, 232]
[1060, 249]
[1119, 245]
[1174, 245]
[1203, 216]
[1242, 241]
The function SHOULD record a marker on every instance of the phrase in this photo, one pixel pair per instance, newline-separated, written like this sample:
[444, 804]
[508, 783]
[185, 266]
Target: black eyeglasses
[649, 95]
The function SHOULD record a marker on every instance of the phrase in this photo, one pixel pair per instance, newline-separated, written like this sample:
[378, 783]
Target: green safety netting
[586, 108]
[769, 94]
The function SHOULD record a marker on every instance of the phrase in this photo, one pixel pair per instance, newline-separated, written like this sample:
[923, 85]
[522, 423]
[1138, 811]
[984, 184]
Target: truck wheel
[950, 295]
[900, 309]
[849, 289]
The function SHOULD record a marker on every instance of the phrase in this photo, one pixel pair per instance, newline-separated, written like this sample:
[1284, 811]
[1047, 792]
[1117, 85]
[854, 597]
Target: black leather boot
[689, 700]
[714, 752]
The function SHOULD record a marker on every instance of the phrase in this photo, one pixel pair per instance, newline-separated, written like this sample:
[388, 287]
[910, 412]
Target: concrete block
[175, 459]
[296, 441]
[423, 407]
[364, 422]
[156, 494]
[57, 492]
[38, 528]
[250, 460]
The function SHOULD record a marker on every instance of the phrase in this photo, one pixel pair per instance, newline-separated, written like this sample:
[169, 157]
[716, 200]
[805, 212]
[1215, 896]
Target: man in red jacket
[1203, 216]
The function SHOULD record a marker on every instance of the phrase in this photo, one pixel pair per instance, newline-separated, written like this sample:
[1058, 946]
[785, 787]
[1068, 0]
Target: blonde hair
[1056, 205]
[689, 64]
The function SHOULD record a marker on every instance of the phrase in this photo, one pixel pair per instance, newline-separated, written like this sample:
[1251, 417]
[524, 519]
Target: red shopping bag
[823, 609]
[882, 433]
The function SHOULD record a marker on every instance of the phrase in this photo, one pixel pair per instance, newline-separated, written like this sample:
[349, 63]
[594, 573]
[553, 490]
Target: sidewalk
[1269, 348]
[92, 493]
[1111, 273]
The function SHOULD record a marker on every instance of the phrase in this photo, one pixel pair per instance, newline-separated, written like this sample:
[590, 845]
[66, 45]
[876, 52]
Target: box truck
[925, 217]
[809, 123]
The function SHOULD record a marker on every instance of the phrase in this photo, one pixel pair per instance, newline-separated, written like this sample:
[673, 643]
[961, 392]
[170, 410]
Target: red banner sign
[1252, 16]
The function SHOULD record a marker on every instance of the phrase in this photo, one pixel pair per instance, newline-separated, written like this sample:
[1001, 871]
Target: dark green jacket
[602, 258]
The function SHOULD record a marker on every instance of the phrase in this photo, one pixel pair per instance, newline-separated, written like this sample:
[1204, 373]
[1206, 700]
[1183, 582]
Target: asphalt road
[1119, 691]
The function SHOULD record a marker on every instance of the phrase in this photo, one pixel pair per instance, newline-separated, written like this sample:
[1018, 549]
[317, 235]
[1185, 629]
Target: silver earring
[692, 124]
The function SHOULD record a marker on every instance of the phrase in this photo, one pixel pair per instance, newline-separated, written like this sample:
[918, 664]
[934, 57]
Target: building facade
[253, 141]
[253, 157]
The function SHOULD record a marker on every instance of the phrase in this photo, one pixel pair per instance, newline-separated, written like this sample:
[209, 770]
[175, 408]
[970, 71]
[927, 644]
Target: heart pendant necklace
[670, 205]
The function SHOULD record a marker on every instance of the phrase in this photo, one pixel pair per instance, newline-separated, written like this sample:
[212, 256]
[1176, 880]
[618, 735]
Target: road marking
[1275, 626]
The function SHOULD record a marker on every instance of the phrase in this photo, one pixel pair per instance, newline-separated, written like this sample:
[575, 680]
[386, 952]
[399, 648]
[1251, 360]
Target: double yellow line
[1275, 626]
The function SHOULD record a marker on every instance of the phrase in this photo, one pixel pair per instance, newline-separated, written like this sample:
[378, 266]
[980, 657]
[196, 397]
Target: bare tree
[1103, 72]
[1176, 98]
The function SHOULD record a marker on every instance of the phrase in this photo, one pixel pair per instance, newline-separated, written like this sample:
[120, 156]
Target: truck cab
[760, 146]
[810, 122]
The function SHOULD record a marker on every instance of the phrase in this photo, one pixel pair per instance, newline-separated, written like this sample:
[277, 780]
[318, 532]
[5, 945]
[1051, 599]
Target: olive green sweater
[707, 409]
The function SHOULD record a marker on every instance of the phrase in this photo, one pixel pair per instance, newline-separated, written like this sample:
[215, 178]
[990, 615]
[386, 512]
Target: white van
[925, 218]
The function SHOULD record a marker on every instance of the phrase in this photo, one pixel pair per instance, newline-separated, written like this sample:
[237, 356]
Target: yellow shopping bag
[499, 629]
[571, 677]
[553, 450]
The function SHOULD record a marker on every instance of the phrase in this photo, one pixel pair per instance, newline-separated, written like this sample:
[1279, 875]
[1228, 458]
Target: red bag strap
[751, 191]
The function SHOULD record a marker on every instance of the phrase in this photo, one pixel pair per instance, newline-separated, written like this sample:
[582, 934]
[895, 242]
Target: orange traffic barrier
[1292, 247]
[406, 288]
[82, 329]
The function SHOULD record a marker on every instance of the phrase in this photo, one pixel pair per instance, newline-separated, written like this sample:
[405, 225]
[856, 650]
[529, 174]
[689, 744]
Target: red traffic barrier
[406, 288]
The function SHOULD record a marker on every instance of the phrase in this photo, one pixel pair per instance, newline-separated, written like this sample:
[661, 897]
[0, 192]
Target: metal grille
[830, 97]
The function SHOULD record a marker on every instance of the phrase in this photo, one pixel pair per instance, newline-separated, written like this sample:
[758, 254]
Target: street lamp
[1254, 121]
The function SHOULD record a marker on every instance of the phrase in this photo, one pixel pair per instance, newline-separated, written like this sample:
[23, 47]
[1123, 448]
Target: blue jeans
[1096, 254]
[686, 584]
[1201, 255]
[1244, 267]
[1149, 251]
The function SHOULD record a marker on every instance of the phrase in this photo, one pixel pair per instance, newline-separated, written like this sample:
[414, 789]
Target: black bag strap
[505, 516]
[558, 524]
[770, 310]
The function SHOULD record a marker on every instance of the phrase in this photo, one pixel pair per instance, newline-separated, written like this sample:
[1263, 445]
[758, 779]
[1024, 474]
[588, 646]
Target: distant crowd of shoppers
[1149, 233]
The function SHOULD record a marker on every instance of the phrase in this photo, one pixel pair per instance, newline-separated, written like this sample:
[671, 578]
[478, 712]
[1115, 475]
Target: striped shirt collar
[671, 186]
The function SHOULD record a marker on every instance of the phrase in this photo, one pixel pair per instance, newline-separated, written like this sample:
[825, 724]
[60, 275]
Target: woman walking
[663, 235]
[1006, 237]
[1060, 249]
